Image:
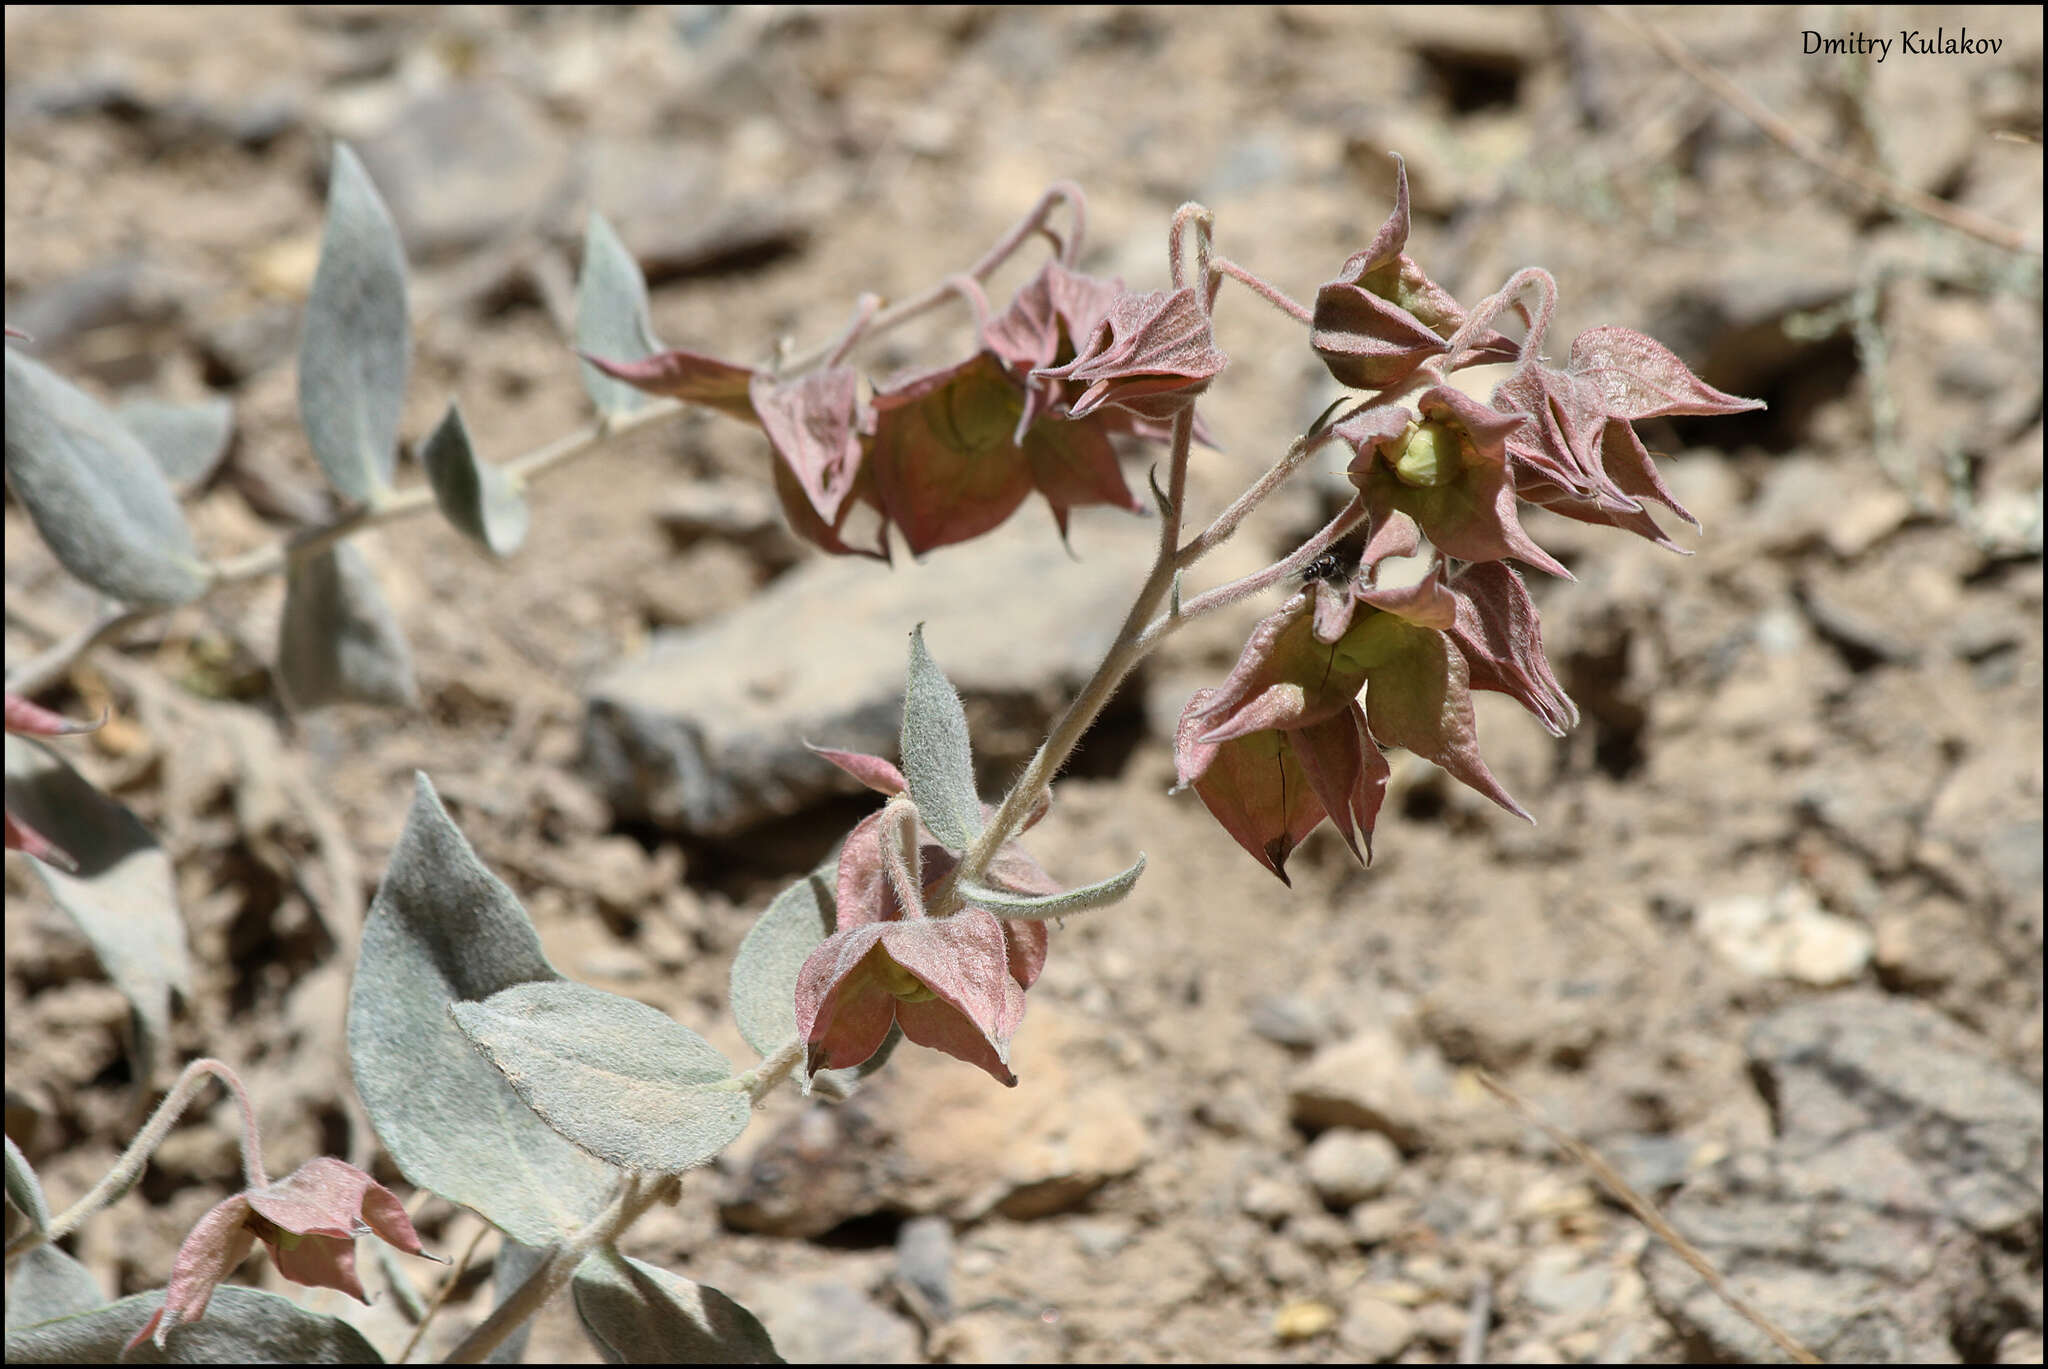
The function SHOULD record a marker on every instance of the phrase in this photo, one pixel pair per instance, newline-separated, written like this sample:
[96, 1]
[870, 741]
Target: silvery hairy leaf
[765, 970]
[241, 1326]
[776, 946]
[45, 1284]
[24, 1191]
[475, 496]
[618, 1078]
[187, 440]
[122, 896]
[611, 316]
[444, 930]
[337, 640]
[638, 1314]
[357, 345]
[95, 493]
[937, 761]
[1037, 907]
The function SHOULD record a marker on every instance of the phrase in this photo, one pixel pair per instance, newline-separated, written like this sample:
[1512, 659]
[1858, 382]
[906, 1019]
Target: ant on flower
[1328, 568]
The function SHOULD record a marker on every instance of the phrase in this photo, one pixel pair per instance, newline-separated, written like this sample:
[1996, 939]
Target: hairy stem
[637, 1193]
[1292, 564]
[1265, 290]
[129, 1167]
[1124, 652]
[1061, 192]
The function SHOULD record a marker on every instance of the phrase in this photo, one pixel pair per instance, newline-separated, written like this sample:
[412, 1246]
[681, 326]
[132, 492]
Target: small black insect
[1327, 568]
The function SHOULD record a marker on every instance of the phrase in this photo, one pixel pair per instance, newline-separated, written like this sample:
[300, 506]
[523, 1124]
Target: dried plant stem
[1647, 1213]
[1799, 145]
[455, 1273]
[129, 1167]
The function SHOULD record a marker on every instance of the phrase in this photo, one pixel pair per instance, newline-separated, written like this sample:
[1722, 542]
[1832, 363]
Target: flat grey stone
[1898, 1209]
[703, 732]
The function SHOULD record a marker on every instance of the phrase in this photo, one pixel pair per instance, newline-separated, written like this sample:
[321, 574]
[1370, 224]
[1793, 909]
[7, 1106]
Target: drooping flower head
[308, 1221]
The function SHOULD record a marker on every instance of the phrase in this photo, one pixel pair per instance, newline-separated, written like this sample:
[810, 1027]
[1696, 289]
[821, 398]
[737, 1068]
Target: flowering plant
[562, 1113]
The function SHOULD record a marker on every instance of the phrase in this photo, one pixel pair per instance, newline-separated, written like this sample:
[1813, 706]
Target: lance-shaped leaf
[45, 1284]
[187, 440]
[96, 495]
[242, 1326]
[122, 893]
[638, 1314]
[444, 930]
[620, 1079]
[357, 345]
[764, 970]
[611, 315]
[937, 761]
[1498, 634]
[1005, 903]
[477, 498]
[689, 376]
[24, 1190]
[338, 641]
[872, 771]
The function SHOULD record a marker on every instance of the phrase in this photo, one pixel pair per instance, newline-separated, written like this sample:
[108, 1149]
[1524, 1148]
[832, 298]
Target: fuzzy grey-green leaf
[938, 763]
[611, 316]
[95, 493]
[1038, 907]
[776, 946]
[337, 640]
[45, 1284]
[123, 895]
[241, 1326]
[187, 440]
[357, 346]
[443, 929]
[477, 498]
[636, 1313]
[618, 1078]
[24, 1190]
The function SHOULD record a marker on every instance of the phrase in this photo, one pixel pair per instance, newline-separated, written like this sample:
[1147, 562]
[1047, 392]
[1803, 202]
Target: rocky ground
[1774, 948]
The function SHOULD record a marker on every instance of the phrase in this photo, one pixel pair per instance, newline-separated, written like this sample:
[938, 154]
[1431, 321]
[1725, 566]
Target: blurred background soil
[1774, 946]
